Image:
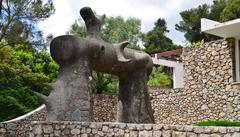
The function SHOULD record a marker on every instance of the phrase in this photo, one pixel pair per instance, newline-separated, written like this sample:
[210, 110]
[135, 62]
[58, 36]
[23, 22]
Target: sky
[148, 11]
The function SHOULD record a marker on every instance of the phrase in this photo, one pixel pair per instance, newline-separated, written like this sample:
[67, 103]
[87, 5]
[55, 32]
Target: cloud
[67, 11]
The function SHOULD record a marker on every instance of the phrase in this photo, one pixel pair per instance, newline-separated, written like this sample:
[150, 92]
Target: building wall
[208, 93]
[20, 126]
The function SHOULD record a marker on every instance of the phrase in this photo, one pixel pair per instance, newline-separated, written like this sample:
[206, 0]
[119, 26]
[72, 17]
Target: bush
[218, 123]
[159, 78]
[16, 102]
[23, 70]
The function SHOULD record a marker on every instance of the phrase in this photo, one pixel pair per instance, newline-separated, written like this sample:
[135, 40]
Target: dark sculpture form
[70, 97]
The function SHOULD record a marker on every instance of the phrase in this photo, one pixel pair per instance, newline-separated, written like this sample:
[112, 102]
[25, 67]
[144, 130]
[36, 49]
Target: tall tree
[216, 9]
[18, 19]
[231, 11]
[156, 39]
[191, 20]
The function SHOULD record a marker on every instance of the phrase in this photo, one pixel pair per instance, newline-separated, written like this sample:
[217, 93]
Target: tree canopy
[220, 10]
[18, 19]
[114, 30]
[23, 70]
[156, 41]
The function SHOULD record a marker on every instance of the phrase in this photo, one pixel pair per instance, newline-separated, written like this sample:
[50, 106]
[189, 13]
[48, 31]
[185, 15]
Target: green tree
[18, 19]
[23, 70]
[191, 20]
[231, 11]
[216, 9]
[159, 78]
[156, 40]
[191, 24]
[114, 30]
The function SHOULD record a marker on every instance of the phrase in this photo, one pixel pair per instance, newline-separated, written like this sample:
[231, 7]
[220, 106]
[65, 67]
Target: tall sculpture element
[70, 98]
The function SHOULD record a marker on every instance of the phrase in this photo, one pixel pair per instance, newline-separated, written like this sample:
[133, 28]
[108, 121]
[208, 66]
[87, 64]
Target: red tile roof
[171, 55]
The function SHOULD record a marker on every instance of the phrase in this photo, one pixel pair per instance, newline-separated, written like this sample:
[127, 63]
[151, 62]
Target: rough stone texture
[70, 98]
[126, 130]
[105, 108]
[208, 93]
[21, 126]
[133, 100]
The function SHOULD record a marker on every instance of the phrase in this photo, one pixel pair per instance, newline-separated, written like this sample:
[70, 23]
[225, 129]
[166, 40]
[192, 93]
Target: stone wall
[21, 125]
[70, 129]
[165, 104]
[208, 93]
[105, 108]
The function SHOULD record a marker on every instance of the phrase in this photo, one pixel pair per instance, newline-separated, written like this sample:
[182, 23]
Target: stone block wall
[70, 129]
[21, 125]
[105, 108]
[208, 93]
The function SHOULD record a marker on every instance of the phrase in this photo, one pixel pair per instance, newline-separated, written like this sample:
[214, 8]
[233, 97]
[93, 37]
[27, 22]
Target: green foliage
[156, 40]
[104, 83]
[231, 11]
[218, 123]
[77, 29]
[116, 30]
[216, 9]
[16, 102]
[159, 78]
[191, 20]
[195, 44]
[22, 70]
[18, 20]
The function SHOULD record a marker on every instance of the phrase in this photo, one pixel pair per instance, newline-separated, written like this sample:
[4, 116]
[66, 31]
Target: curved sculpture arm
[92, 21]
[120, 52]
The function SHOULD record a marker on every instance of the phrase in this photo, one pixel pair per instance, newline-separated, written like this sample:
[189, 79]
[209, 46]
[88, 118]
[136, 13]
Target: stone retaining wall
[21, 125]
[70, 129]
[105, 108]
[209, 92]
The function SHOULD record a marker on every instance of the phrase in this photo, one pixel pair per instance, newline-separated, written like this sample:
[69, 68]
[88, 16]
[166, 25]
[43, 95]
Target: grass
[218, 123]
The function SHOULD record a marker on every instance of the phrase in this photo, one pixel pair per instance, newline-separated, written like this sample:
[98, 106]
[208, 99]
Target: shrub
[218, 123]
[23, 70]
[159, 78]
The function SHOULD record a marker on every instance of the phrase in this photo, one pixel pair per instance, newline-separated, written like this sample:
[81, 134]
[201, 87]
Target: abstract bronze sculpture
[70, 97]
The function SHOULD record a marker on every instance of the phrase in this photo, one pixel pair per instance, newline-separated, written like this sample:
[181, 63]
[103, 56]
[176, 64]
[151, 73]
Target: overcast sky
[148, 11]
